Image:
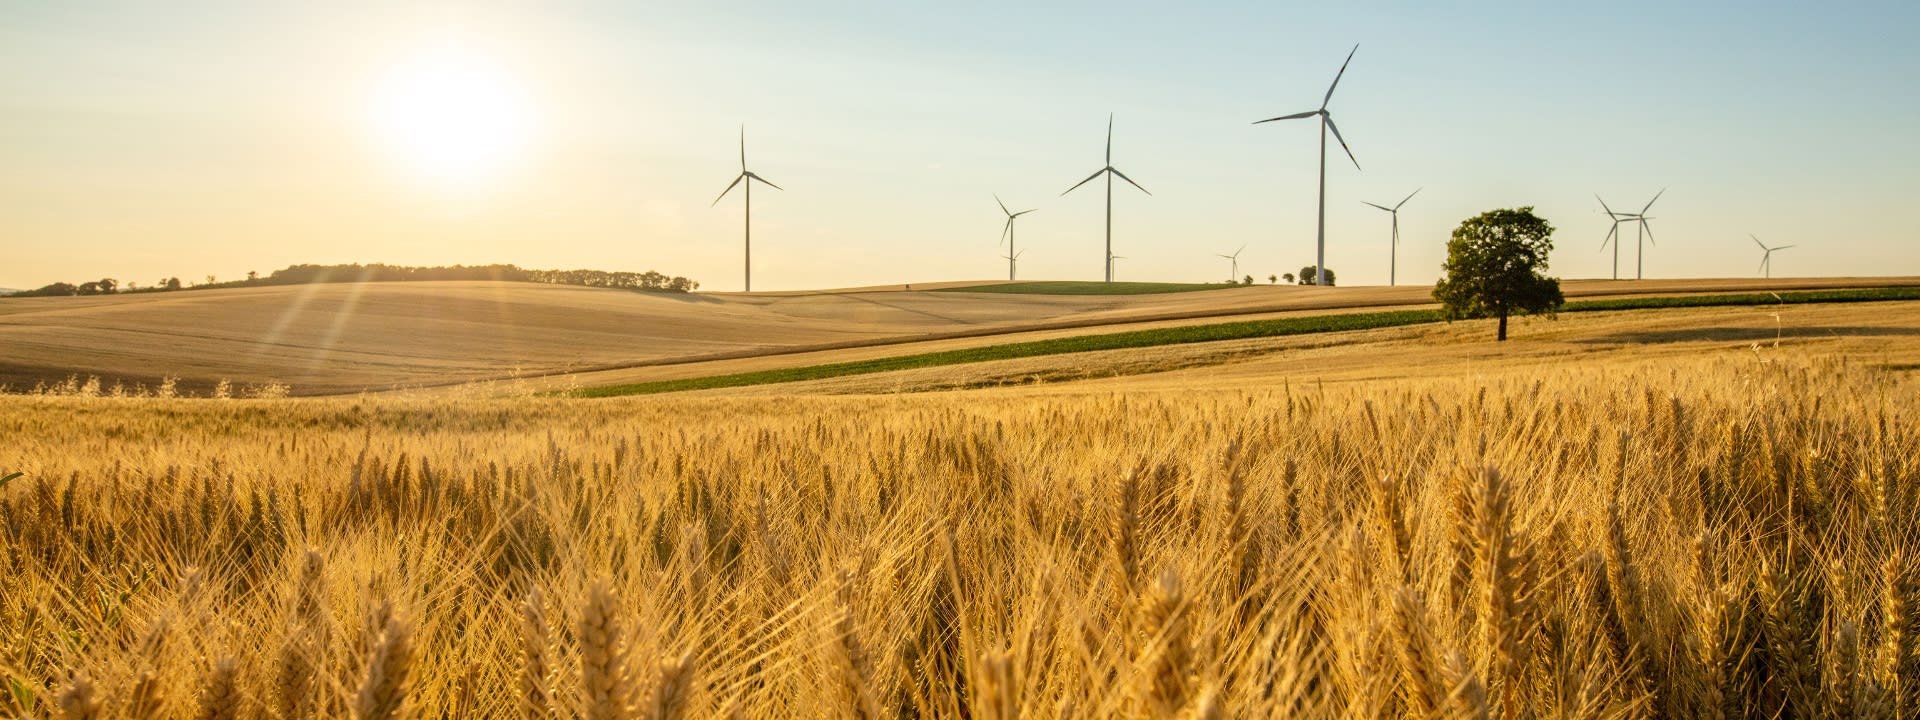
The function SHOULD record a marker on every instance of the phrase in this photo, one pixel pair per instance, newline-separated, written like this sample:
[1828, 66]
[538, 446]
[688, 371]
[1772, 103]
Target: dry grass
[1713, 535]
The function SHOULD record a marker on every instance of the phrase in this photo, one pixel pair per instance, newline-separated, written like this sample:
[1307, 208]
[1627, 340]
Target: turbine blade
[723, 193]
[765, 181]
[1243, 248]
[1003, 206]
[1343, 141]
[1295, 116]
[1610, 233]
[1382, 207]
[1656, 198]
[1603, 205]
[1763, 261]
[1648, 227]
[1756, 241]
[1089, 179]
[1109, 138]
[1022, 212]
[1782, 247]
[1336, 77]
[743, 147]
[1005, 230]
[1409, 197]
[1123, 176]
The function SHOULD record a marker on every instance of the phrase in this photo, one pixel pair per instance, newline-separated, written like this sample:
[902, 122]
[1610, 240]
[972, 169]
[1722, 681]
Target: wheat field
[1725, 535]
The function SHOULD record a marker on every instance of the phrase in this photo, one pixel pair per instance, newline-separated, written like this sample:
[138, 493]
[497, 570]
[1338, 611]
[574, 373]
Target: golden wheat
[1720, 536]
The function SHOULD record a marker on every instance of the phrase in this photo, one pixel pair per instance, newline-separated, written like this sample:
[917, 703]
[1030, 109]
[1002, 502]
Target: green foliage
[1074, 287]
[1208, 333]
[1493, 268]
[1307, 276]
[8, 478]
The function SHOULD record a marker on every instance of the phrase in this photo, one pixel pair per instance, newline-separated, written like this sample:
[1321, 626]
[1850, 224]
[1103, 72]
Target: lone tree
[1493, 268]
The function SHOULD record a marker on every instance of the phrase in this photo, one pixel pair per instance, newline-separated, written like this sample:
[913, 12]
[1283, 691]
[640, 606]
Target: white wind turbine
[1006, 235]
[1234, 275]
[1393, 252]
[1766, 260]
[1112, 266]
[1108, 171]
[1613, 233]
[748, 178]
[1013, 258]
[1646, 234]
[1326, 124]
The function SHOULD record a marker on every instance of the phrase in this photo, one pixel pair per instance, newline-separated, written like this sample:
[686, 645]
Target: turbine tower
[1646, 234]
[749, 178]
[1393, 252]
[1006, 235]
[1613, 233]
[1234, 276]
[1766, 260]
[1326, 123]
[1109, 171]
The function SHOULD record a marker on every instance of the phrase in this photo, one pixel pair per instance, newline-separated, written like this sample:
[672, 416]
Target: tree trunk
[1503, 327]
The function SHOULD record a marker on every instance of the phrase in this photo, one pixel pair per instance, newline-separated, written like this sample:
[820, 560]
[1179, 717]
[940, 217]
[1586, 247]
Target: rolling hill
[348, 338]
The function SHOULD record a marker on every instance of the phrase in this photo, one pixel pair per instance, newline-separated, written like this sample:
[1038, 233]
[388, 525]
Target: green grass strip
[1079, 287]
[1209, 333]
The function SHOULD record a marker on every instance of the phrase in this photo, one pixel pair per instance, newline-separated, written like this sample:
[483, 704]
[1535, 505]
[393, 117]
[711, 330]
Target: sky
[140, 140]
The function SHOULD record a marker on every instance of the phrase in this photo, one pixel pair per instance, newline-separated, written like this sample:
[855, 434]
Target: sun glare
[450, 117]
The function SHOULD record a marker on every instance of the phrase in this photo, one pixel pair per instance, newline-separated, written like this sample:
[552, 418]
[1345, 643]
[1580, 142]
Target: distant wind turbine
[1012, 259]
[1109, 171]
[1766, 260]
[1112, 266]
[1393, 252]
[1234, 276]
[1006, 234]
[1646, 234]
[1613, 233]
[748, 178]
[1326, 123]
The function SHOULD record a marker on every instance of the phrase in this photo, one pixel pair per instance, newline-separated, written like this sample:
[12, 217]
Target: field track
[351, 338]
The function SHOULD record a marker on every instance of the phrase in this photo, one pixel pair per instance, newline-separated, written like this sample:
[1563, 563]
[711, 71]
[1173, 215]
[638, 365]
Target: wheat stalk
[383, 694]
[80, 700]
[220, 698]
[603, 655]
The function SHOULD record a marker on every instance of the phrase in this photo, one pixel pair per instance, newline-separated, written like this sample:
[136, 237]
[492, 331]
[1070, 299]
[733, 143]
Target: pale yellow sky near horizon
[139, 141]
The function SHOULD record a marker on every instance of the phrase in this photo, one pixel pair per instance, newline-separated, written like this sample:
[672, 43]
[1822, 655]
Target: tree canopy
[1307, 276]
[1493, 268]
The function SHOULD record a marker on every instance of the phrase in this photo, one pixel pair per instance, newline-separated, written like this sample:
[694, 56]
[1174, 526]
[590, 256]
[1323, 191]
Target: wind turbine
[1393, 253]
[1235, 257]
[1646, 234]
[1766, 260]
[1012, 259]
[1109, 171]
[1326, 123]
[1111, 265]
[1613, 233]
[1006, 235]
[748, 178]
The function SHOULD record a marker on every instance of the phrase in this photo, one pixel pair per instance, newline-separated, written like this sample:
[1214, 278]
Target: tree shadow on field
[1744, 334]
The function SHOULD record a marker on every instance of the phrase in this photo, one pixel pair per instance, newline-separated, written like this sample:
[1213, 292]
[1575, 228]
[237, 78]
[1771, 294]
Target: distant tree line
[378, 272]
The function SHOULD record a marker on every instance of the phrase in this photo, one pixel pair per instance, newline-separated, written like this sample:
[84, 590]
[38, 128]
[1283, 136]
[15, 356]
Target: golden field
[1689, 514]
[347, 338]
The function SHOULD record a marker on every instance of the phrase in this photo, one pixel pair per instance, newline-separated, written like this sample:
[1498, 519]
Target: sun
[451, 117]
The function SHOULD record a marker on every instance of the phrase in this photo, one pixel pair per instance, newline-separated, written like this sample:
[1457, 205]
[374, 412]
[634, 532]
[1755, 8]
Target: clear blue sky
[139, 140]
